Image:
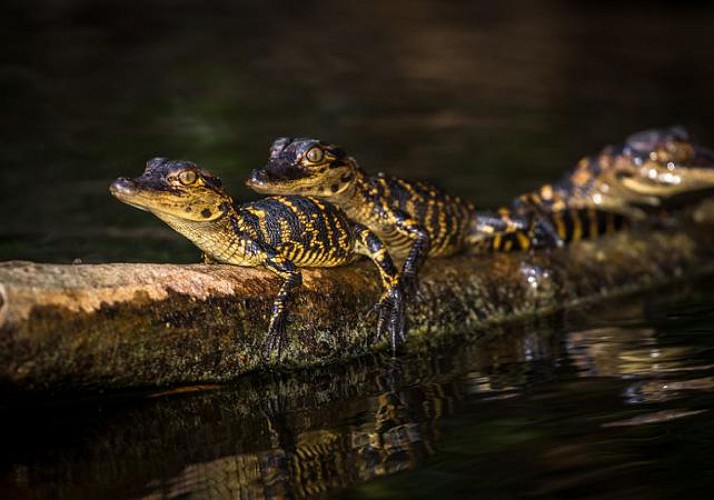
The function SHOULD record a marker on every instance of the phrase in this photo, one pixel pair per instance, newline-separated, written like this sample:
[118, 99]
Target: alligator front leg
[392, 315]
[417, 254]
[271, 259]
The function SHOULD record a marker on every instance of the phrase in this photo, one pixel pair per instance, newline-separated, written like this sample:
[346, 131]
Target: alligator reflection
[276, 435]
[319, 431]
[658, 372]
[382, 434]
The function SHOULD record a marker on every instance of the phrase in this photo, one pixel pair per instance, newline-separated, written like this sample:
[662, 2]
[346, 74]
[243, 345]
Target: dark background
[487, 98]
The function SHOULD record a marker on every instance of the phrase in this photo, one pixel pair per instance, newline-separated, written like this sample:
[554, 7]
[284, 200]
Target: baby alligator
[414, 219]
[652, 170]
[280, 233]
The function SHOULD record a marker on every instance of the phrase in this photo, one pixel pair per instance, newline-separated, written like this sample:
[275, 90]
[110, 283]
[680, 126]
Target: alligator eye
[315, 154]
[187, 177]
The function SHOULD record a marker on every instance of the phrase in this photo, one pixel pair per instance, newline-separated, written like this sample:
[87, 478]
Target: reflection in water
[390, 432]
[657, 417]
[658, 372]
[542, 407]
[625, 352]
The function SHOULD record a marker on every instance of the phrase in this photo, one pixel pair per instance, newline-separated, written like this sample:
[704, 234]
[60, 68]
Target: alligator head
[305, 166]
[174, 191]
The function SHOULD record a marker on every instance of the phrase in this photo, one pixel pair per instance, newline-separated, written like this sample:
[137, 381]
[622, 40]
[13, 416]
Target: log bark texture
[119, 326]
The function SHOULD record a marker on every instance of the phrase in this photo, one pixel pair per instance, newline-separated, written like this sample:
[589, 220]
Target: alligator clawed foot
[391, 318]
[275, 340]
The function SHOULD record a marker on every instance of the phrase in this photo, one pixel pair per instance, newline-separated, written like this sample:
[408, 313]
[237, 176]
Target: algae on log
[112, 326]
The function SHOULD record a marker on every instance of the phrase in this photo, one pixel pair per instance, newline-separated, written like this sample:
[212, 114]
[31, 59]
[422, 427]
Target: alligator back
[444, 216]
[308, 231]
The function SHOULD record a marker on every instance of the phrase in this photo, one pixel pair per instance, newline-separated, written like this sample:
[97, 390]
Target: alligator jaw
[124, 190]
[257, 181]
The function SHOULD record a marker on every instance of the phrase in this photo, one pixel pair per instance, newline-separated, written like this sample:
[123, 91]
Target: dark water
[487, 98]
[614, 401]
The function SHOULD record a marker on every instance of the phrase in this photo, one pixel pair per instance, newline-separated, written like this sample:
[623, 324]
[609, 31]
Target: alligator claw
[276, 338]
[392, 318]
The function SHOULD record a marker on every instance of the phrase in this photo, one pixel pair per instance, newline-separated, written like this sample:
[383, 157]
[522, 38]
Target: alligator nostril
[121, 185]
[257, 177]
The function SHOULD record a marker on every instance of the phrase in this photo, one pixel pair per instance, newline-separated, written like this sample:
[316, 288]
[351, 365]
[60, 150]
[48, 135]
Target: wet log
[118, 326]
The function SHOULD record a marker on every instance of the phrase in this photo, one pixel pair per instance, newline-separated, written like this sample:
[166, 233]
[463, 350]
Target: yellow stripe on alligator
[560, 225]
[523, 240]
[497, 239]
[379, 254]
[318, 203]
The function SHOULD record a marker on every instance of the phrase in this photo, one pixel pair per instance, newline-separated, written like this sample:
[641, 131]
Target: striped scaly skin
[414, 219]
[280, 233]
[651, 173]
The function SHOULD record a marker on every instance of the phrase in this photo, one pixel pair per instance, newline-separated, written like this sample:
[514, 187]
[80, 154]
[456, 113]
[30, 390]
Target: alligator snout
[257, 178]
[123, 185]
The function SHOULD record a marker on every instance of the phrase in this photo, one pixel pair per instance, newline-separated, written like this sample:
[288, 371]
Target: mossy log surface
[118, 326]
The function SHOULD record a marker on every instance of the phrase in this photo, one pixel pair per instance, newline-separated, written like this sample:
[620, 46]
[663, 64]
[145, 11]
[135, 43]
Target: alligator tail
[504, 231]
[585, 223]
